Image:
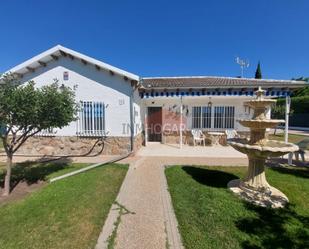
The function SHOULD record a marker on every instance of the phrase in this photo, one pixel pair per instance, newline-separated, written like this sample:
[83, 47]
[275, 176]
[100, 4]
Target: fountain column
[255, 177]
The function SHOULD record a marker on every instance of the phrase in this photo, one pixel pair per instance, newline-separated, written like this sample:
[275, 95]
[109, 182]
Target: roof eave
[59, 51]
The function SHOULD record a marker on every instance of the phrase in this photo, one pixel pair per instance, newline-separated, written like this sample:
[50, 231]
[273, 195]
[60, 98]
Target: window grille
[220, 117]
[224, 117]
[201, 117]
[91, 119]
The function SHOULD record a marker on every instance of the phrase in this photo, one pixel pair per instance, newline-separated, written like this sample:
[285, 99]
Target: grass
[33, 172]
[293, 138]
[65, 214]
[67, 169]
[210, 216]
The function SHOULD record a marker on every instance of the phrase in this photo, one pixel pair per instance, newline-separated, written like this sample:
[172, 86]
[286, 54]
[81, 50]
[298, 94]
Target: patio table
[215, 137]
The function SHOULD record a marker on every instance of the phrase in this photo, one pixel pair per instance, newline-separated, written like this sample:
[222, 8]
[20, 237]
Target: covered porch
[175, 106]
[172, 120]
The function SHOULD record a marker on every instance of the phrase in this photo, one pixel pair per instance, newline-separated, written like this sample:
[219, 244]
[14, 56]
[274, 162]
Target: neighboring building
[117, 104]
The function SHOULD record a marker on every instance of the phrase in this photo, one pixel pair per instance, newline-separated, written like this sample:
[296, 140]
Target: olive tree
[25, 110]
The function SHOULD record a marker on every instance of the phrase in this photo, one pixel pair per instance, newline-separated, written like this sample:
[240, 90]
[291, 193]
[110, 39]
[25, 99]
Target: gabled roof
[58, 51]
[216, 82]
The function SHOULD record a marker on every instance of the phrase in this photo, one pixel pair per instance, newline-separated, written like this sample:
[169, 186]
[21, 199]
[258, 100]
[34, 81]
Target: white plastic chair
[198, 137]
[231, 133]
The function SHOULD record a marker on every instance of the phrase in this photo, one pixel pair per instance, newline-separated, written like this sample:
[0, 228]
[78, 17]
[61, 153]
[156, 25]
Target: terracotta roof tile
[216, 82]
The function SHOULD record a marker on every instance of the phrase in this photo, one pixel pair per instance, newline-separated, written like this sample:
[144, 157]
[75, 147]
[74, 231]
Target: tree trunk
[7, 181]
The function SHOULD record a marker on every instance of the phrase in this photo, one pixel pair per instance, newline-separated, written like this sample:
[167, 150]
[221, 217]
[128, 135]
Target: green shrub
[302, 92]
[278, 111]
[298, 105]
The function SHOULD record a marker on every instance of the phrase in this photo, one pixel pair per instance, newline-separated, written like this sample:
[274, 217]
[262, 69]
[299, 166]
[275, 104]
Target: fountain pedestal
[254, 187]
[255, 177]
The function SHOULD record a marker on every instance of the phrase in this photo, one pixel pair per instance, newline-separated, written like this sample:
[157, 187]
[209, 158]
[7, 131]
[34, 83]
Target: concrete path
[304, 131]
[299, 132]
[145, 228]
[173, 150]
[149, 221]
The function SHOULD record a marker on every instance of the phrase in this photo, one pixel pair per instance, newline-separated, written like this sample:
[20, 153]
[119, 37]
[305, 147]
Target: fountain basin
[271, 198]
[260, 103]
[260, 124]
[270, 148]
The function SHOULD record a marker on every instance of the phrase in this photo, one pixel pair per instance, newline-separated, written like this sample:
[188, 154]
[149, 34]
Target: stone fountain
[254, 187]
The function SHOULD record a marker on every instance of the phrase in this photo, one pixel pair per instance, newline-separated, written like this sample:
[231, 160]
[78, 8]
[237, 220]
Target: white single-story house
[129, 111]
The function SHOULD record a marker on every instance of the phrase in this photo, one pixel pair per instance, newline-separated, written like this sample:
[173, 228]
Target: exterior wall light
[209, 103]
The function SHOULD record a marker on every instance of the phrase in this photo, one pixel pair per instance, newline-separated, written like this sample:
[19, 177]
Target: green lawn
[31, 172]
[67, 214]
[210, 216]
[292, 139]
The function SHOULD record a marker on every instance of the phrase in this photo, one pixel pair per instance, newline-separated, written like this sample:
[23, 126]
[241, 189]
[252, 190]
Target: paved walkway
[173, 150]
[149, 221]
[298, 132]
[304, 131]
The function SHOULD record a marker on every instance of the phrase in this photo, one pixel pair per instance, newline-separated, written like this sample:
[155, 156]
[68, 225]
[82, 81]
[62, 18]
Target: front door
[154, 124]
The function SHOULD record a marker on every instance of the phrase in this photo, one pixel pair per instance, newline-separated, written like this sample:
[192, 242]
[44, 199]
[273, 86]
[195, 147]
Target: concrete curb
[173, 235]
[108, 227]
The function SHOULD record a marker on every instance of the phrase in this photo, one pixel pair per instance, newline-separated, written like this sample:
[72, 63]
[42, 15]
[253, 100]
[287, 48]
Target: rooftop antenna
[243, 63]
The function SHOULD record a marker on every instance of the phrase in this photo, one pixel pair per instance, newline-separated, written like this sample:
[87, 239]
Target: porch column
[286, 130]
[180, 125]
[146, 124]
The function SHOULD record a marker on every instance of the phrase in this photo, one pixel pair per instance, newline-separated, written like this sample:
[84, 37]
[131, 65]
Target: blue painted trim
[273, 93]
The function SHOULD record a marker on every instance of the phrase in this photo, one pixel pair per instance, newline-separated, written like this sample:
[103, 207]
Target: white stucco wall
[137, 113]
[238, 102]
[92, 85]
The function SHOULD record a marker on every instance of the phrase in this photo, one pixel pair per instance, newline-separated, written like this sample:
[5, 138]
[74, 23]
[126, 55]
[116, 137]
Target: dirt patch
[28, 177]
[21, 190]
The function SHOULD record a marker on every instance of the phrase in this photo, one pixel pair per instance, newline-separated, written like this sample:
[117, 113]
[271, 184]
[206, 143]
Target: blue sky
[164, 38]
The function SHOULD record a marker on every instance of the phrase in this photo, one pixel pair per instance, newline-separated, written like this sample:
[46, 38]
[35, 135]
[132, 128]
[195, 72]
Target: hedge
[298, 104]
